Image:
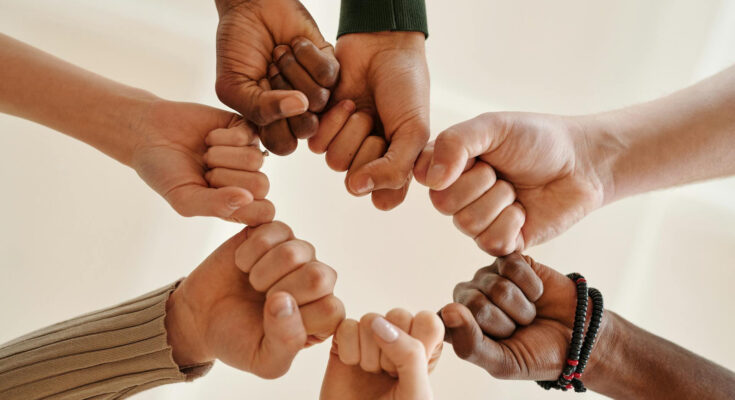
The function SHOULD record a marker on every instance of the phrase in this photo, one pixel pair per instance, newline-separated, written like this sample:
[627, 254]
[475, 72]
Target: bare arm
[685, 137]
[42, 88]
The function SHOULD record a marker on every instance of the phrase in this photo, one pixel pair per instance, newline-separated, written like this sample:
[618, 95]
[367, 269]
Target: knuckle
[444, 203]
[501, 291]
[467, 223]
[261, 186]
[290, 253]
[327, 73]
[333, 308]
[317, 277]
[494, 246]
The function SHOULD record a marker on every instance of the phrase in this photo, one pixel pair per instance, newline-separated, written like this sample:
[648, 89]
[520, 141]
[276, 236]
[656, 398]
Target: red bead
[573, 362]
[568, 377]
[569, 386]
[580, 280]
[577, 375]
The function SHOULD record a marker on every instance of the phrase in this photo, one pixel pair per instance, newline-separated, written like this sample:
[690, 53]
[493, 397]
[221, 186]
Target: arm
[174, 334]
[513, 180]
[685, 137]
[515, 318]
[202, 160]
[641, 365]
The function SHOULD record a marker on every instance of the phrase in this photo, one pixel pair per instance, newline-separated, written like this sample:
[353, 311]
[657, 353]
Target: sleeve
[382, 15]
[106, 354]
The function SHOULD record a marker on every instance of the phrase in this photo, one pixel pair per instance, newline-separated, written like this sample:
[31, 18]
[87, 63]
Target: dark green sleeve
[382, 15]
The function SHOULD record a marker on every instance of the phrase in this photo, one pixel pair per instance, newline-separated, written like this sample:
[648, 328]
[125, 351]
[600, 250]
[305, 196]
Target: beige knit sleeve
[107, 354]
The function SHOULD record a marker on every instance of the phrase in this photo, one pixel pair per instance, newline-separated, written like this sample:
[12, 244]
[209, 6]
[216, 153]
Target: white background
[80, 231]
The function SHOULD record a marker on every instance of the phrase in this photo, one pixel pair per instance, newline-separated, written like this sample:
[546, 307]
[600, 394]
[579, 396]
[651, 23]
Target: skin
[252, 35]
[254, 303]
[367, 362]
[386, 75]
[202, 160]
[514, 319]
[559, 168]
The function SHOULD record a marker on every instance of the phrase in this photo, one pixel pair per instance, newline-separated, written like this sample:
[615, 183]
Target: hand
[515, 320]
[384, 358]
[291, 70]
[247, 36]
[254, 303]
[386, 75]
[172, 156]
[513, 180]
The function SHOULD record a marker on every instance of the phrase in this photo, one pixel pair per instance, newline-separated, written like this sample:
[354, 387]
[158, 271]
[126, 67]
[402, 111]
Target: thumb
[470, 343]
[454, 148]
[394, 169]
[258, 105]
[408, 355]
[194, 200]
[283, 336]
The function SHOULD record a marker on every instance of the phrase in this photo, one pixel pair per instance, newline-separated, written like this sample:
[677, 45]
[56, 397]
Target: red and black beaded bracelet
[581, 345]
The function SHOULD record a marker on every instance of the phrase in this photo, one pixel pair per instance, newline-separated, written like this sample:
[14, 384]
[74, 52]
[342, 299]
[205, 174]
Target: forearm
[42, 88]
[121, 350]
[635, 364]
[685, 137]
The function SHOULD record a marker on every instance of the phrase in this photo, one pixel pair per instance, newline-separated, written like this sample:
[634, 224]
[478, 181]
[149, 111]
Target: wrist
[187, 346]
[602, 146]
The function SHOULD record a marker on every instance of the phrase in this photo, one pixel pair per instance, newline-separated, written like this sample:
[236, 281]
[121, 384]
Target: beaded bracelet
[579, 350]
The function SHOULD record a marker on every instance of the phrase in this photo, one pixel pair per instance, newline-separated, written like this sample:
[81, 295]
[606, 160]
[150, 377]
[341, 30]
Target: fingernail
[451, 319]
[348, 105]
[365, 187]
[279, 51]
[435, 174]
[282, 307]
[236, 202]
[385, 330]
[292, 105]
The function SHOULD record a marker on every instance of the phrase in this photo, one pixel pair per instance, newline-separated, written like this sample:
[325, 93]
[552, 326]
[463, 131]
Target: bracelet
[579, 351]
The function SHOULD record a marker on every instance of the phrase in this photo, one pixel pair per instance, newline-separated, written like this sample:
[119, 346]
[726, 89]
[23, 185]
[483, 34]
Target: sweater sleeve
[382, 15]
[106, 354]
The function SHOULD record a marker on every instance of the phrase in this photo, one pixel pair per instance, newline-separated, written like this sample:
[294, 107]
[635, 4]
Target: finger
[469, 343]
[330, 124]
[283, 336]
[388, 199]
[321, 318]
[517, 270]
[344, 147]
[429, 330]
[321, 64]
[422, 163]
[480, 214]
[500, 238]
[248, 158]
[258, 105]
[255, 182]
[371, 149]
[195, 200]
[279, 262]
[256, 213]
[489, 317]
[409, 356]
[259, 241]
[508, 297]
[456, 145]
[311, 282]
[302, 126]
[393, 169]
[470, 186]
[347, 338]
[243, 134]
[369, 350]
[278, 139]
[401, 319]
[299, 78]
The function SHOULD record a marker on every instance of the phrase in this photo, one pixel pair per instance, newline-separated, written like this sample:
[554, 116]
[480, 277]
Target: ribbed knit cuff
[357, 16]
[112, 353]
